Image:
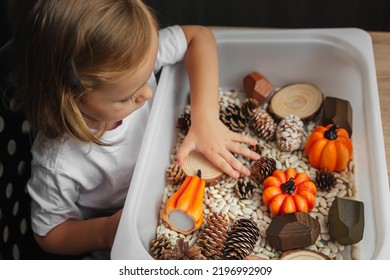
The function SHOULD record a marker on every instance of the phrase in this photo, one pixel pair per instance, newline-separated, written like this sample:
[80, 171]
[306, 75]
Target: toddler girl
[84, 73]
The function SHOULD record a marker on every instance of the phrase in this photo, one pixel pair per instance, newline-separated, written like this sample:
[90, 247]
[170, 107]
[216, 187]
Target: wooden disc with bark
[302, 100]
[196, 161]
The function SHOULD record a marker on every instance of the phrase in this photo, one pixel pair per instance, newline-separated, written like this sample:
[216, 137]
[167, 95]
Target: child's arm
[207, 133]
[79, 237]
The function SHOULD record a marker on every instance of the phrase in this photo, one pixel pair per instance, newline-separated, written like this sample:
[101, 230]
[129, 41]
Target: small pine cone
[262, 124]
[158, 246]
[262, 168]
[212, 238]
[257, 148]
[289, 134]
[175, 174]
[182, 251]
[248, 106]
[233, 118]
[184, 123]
[244, 187]
[325, 180]
[241, 239]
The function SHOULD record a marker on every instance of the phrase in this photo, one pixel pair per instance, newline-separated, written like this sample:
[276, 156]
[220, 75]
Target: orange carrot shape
[183, 212]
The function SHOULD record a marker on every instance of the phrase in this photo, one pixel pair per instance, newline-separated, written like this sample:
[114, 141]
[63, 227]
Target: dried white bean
[342, 193]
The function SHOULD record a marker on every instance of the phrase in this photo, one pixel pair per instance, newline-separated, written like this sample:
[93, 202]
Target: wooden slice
[195, 161]
[302, 100]
[303, 254]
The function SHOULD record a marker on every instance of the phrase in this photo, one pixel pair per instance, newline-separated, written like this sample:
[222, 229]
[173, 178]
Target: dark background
[370, 15]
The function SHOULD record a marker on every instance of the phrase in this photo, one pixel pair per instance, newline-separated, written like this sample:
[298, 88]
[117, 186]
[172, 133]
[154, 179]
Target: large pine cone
[244, 187]
[289, 134]
[158, 246]
[212, 238]
[262, 124]
[233, 118]
[241, 239]
[182, 251]
[175, 174]
[262, 168]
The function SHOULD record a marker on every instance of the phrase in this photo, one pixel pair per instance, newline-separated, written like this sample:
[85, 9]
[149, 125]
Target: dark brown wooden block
[346, 220]
[337, 111]
[258, 87]
[293, 230]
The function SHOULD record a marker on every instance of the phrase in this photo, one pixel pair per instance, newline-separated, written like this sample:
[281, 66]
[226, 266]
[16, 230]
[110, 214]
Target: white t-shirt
[70, 180]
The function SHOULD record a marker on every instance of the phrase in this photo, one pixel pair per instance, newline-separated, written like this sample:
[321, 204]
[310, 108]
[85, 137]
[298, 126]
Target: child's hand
[217, 143]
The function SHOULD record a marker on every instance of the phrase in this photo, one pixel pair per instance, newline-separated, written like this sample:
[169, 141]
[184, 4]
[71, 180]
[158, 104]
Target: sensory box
[338, 61]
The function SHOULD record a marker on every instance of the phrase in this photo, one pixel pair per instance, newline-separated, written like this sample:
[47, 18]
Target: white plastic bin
[339, 61]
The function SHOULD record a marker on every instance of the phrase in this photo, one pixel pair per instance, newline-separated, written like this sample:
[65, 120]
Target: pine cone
[184, 123]
[262, 168]
[175, 174]
[325, 180]
[233, 118]
[257, 148]
[248, 106]
[158, 246]
[262, 124]
[182, 251]
[241, 239]
[244, 187]
[212, 238]
[289, 133]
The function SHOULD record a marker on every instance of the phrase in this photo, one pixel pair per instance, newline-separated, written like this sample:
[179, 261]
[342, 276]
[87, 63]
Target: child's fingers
[228, 164]
[243, 150]
[183, 152]
[243, 139]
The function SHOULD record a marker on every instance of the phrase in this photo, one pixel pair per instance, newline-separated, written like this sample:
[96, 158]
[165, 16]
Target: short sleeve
[172, 46]
[53, 199]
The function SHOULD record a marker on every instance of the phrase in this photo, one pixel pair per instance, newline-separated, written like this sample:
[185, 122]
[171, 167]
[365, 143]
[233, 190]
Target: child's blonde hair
[66, 49]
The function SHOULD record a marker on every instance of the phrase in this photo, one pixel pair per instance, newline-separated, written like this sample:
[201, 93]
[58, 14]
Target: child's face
[115, 101]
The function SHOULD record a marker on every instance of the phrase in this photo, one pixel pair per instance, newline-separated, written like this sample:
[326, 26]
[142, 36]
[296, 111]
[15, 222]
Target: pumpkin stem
[199, 174]
[289, 187]
[331, 133]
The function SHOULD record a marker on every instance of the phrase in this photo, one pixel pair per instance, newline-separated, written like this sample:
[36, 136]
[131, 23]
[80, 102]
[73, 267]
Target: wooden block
[293, 230]
[337, 111]
[258, 87]
[346, 220]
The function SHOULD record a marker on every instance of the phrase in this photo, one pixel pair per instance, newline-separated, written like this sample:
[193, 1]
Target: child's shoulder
[51, 154]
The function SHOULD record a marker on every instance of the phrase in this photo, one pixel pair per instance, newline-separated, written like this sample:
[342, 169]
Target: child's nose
[145, 95]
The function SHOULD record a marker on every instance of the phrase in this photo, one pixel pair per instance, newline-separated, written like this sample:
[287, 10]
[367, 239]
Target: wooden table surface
[381, 44]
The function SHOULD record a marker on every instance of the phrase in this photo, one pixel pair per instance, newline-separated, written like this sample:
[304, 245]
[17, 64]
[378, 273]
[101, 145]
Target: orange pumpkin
[329, 148]
[288, 192]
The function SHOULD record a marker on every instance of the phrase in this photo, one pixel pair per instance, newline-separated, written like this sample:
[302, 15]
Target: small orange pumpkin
[288, 192]
[329, 148]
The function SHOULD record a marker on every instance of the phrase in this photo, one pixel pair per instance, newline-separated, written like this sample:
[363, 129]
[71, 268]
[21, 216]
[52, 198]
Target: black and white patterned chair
[16, 238]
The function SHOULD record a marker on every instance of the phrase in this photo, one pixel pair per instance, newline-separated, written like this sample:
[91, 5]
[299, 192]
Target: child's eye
[131, 99]
[125, 100]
